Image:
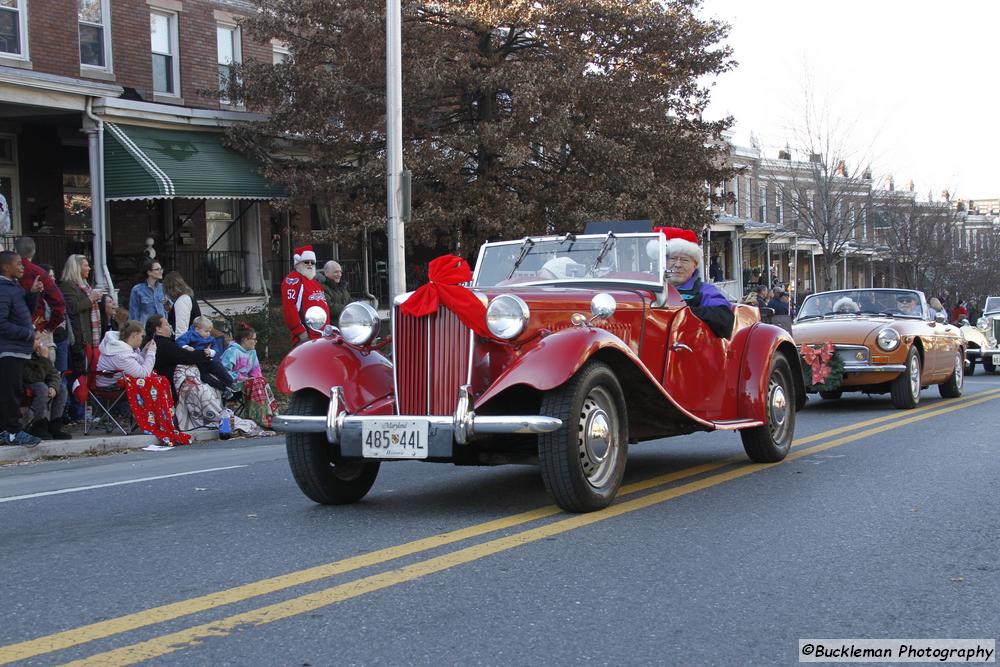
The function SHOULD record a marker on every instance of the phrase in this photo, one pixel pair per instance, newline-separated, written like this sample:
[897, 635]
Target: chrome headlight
[888, 339]
[359, 323]
[983, 324]
[316, 318]
[506, 316]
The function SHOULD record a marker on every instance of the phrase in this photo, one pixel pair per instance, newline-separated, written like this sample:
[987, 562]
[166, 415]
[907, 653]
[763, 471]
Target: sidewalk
[95, 443]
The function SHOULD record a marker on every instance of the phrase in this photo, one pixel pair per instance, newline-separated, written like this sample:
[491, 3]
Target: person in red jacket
[299, 293]
[959, 312]
[52, 295]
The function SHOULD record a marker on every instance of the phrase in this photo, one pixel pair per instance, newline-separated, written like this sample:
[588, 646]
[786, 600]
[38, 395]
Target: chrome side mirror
[316, 318]
[603, 306]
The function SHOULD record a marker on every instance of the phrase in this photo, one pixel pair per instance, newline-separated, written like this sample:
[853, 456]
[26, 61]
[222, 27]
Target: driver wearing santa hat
[299, 293]
[685, 263]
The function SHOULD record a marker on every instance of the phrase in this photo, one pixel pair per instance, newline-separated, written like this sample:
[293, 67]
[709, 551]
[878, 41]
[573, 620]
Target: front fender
[764, 342]
[320, 364]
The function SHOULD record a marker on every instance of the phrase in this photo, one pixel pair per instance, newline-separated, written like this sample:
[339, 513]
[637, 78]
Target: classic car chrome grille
[995, 321]
[430, 358]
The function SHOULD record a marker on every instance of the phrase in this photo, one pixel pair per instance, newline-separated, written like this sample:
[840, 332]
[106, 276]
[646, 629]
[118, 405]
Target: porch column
[767, 271]
[845, 269]
[812, 276]
[252, 241]
[737, 261]
[95, 150]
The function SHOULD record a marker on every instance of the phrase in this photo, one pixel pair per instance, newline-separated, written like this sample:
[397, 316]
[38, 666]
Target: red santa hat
[304, 254]
[682, 241]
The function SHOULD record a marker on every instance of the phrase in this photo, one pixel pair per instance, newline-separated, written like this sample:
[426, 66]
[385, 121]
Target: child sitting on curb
[48, 395]
[199, 337]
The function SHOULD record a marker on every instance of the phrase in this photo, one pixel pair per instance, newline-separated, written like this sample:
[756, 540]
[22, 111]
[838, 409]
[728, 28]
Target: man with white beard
[299, 293]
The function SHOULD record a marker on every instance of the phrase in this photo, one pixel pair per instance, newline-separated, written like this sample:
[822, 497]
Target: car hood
[846, 331]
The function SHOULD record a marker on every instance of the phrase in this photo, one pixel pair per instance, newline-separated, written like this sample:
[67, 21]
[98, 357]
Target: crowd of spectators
[62, 340]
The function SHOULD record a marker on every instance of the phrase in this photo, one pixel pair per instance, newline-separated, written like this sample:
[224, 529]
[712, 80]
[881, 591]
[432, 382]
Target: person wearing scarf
[685, 261]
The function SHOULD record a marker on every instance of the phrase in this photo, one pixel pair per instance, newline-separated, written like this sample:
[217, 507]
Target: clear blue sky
[914, 83]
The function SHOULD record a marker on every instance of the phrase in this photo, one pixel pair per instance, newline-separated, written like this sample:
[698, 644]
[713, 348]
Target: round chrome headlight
[888, 339]
[316, 318]
[603, 305]
[506, 316]
[359, 323]
[983, 324]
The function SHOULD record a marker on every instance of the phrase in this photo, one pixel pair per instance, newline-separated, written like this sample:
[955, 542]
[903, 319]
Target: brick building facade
[84, 83]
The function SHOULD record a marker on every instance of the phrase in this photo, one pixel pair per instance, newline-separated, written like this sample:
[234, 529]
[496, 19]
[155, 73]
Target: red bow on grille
[819, 360]
[444, 275]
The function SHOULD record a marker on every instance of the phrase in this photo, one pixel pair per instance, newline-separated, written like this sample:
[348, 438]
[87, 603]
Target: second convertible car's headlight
[983, 324]
[359, 323]
[888, 339]
[507, 316]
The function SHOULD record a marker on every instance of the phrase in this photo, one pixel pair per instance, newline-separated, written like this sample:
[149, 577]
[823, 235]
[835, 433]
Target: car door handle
[681, 346]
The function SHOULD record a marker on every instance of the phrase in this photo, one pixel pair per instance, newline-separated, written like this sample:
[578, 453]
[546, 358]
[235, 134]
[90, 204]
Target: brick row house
[111, 142]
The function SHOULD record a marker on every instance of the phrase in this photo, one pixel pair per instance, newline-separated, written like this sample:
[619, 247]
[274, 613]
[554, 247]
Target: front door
[695, 371]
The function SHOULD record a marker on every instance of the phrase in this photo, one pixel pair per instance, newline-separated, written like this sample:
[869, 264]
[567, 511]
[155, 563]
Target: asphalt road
[881, 523]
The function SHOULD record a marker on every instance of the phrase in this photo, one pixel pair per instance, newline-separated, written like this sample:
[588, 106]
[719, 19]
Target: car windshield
[859, 303]
[992, 304]
[615, 258]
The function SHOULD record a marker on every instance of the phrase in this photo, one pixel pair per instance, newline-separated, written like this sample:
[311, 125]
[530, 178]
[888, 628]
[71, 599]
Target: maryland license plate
[996, 359]
[394, 439]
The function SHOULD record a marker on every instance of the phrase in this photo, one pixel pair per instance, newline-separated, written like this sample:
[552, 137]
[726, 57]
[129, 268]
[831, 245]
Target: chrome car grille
[430, 358]
[995, 321]
[852, 354]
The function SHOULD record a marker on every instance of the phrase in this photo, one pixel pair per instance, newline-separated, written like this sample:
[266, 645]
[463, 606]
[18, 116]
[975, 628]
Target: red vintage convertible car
[588, 350]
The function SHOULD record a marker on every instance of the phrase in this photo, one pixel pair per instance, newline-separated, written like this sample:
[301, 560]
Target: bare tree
[919, 236]
[821, 185]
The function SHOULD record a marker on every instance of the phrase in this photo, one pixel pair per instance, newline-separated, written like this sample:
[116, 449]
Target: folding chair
[104, 399]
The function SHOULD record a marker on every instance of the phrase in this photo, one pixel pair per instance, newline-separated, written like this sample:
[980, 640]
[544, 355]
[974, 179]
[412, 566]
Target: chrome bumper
[461, 426]
[883, 368]
[978, 353]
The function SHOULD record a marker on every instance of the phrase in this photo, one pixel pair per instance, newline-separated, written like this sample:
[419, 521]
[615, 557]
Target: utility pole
[394, 149]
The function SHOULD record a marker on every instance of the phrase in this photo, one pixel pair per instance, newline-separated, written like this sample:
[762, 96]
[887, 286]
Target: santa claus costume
[300, 292]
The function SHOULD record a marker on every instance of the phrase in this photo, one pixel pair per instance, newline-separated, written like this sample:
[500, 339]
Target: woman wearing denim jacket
[148, 297]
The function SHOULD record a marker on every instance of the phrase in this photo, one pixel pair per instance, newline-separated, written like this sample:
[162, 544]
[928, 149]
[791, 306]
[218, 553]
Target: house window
[280, 54]
[14, 28]
[228, 40]
[77, 201]
[780, 206]
[163, 39]
[94, 18]
[762, 204]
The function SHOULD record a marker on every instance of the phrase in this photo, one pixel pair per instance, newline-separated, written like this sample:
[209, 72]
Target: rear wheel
[770, 443]
[831, 395]
[583, 462]
[953, 387]
[905, 389]
[324, 477]
[972, 367]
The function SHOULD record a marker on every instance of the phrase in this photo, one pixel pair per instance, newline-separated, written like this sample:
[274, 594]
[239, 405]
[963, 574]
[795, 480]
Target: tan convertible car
[887, 342]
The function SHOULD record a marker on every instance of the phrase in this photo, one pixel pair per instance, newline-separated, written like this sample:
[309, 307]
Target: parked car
[886, 341]
[588, 351]
[983, 339]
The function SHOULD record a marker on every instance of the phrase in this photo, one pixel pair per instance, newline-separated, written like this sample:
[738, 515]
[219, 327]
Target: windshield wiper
[883, 313]
[526, 247]
[808, 317]
[609, 243]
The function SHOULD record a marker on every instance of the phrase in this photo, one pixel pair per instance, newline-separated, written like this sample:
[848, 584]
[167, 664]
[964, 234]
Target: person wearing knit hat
[299, 293]
[685, 262]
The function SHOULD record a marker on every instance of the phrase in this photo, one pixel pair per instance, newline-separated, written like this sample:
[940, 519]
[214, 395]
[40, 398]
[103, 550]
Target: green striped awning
[152, 163]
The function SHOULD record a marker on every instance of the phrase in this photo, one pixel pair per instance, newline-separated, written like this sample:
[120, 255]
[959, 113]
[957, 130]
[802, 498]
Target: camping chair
[103, 399]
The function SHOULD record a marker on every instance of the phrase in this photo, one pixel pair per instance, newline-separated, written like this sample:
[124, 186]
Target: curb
[85, 446]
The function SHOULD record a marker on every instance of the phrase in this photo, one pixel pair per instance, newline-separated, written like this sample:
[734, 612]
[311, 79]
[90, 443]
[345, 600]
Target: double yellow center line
[179, 640]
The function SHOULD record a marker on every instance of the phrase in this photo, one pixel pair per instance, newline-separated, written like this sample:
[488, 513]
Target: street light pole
[394, 148]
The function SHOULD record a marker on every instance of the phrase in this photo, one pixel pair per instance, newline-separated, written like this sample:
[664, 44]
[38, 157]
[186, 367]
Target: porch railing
[53, 249]
[214, 272]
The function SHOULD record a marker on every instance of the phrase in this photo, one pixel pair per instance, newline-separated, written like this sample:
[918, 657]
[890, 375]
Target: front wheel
[583, 462]
[953, 387]
[323, 476]
[988, 365]
[972, 367]
[905, 389]
[770, 443]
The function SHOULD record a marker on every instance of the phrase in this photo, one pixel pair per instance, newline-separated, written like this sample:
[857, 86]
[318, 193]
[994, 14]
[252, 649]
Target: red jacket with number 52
[299, 294]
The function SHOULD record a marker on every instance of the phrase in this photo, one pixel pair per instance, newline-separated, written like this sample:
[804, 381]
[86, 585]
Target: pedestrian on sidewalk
[48, 395]
[148, 296]
[51, 295]
[17, 337]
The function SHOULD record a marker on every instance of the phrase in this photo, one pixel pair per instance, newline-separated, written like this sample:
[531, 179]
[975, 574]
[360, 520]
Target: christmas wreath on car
[822, 369]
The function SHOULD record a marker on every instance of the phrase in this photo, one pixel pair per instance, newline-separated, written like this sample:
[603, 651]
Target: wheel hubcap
[959, 371]
[347, 470]
[598, 443]
[777, 410]
[915, 377]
